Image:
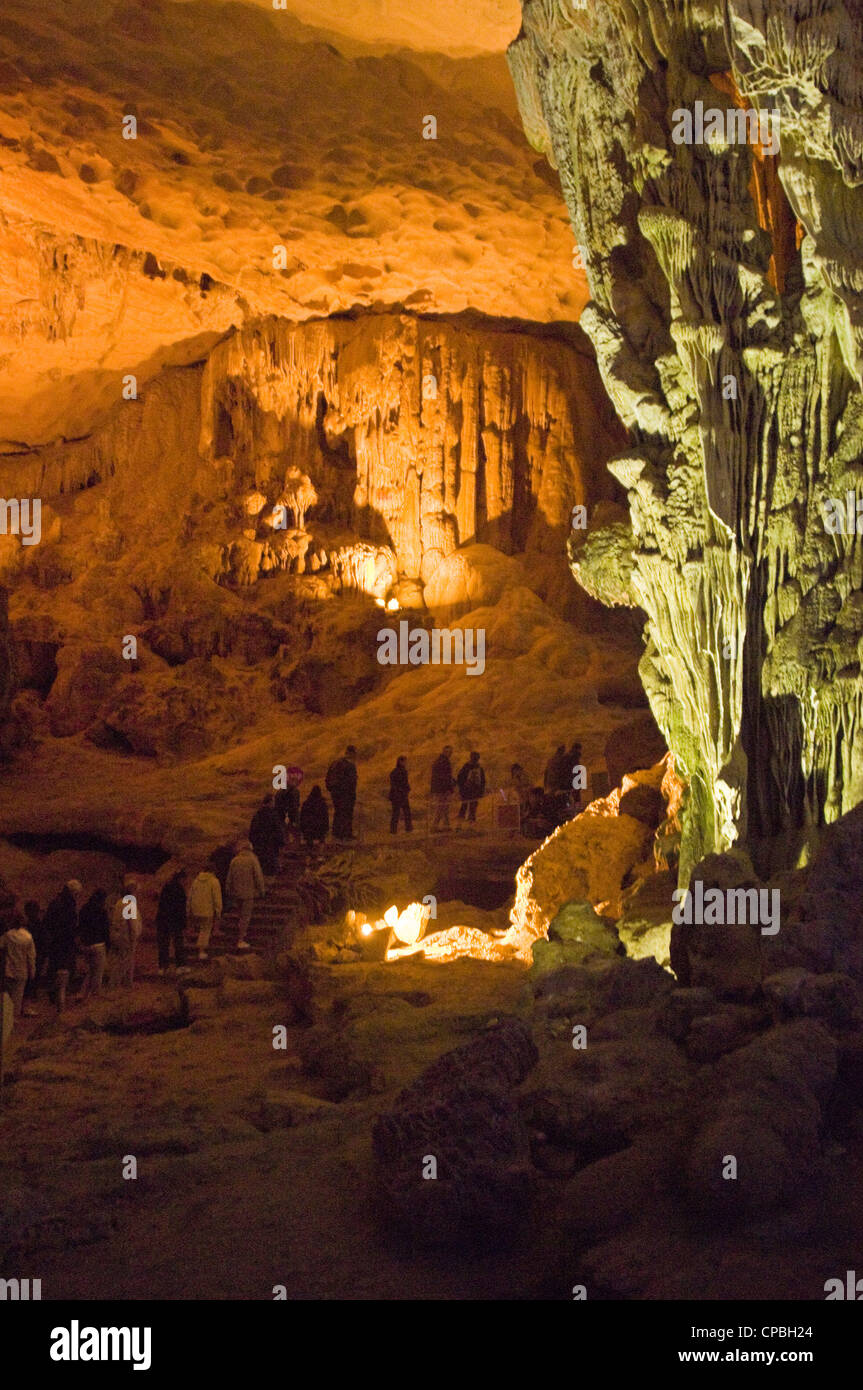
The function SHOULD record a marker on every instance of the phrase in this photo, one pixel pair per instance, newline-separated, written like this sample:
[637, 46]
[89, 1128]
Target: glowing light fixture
[393, 605]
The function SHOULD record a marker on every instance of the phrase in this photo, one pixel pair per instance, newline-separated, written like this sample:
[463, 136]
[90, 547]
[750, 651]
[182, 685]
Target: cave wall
[726, 315]
[421, 433]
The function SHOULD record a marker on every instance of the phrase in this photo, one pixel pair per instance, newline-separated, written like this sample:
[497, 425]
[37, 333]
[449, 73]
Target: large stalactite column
[727, 315]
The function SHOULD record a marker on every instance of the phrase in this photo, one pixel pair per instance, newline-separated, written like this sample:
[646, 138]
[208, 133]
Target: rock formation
[424, 433]
[298, 182]
[461, 1115]
[725, 276]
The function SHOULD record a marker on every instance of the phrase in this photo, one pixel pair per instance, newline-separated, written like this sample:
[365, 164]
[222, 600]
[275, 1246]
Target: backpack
[473, 783]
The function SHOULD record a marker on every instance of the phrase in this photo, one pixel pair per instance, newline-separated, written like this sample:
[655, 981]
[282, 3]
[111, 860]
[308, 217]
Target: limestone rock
[635, 744]
[462, 1112]
[724, 958]
[723, 280]
[584, 859]
[765, 1111]
[822, 924]
[575, 933]
[681, 1008]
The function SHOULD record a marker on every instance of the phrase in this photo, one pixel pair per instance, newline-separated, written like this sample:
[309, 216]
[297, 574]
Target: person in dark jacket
[471, 786]
[314, 818]
[399, 792]
[171, 922]
[266, 834]
[94, 928]
[35, 924]
[341, 783]
[442, 788]
[555, 778]
[287, 804]
[61, 931]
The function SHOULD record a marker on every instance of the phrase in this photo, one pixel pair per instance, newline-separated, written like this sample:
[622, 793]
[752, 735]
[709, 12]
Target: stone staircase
[273, 918]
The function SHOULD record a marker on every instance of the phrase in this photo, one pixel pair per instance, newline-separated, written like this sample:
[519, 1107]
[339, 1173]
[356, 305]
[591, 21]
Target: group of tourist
[541, 808]
[41, 949]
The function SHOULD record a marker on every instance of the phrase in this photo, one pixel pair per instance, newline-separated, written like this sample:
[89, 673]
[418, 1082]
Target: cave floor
[249, 1177]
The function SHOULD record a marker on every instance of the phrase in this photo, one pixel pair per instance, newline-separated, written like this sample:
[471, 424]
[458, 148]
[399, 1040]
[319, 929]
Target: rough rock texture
[726, 313]
[271, 172]
[440, 431]
[822, 922]
[589, 859]
[574, 934]
[765, 1111]
[462, 1112]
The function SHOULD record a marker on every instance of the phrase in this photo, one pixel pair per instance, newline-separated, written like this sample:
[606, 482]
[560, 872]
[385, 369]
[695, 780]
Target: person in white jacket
[205, 908]
[244, 883]
[19, 951]
[126, 930]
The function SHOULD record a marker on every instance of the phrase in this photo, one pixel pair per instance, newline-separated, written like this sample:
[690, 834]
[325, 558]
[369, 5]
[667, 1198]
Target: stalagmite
[726, 297]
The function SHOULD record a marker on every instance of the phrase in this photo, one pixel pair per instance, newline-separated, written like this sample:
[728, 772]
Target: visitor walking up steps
[204, 907]
[244, 884]
[341, 783]
[314, 819]
[266, 833]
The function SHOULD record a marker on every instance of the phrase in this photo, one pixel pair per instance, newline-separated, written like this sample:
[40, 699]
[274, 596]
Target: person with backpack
[471, 786]
[204, 907]
[341, 783]
[266, 833]
[399, 793]
[171, 916]
[314, 818]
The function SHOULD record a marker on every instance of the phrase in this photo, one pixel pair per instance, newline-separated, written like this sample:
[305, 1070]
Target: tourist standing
[35, 923]
[287, 805]
[171, 922]
[94, 930]
[471, 786]
[442, 788]
[314, 818]
[399, 796]
[266, 834]
[61, 934]
[127, 928]
[18, 950]
[341, 783]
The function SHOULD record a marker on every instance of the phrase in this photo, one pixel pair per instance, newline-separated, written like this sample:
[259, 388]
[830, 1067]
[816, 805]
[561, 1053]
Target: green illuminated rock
[727, 316]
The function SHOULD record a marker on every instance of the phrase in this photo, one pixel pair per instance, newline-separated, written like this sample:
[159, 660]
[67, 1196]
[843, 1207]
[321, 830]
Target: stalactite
[727, 317]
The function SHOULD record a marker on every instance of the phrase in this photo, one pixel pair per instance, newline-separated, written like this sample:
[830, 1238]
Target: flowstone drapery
[727, 316]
